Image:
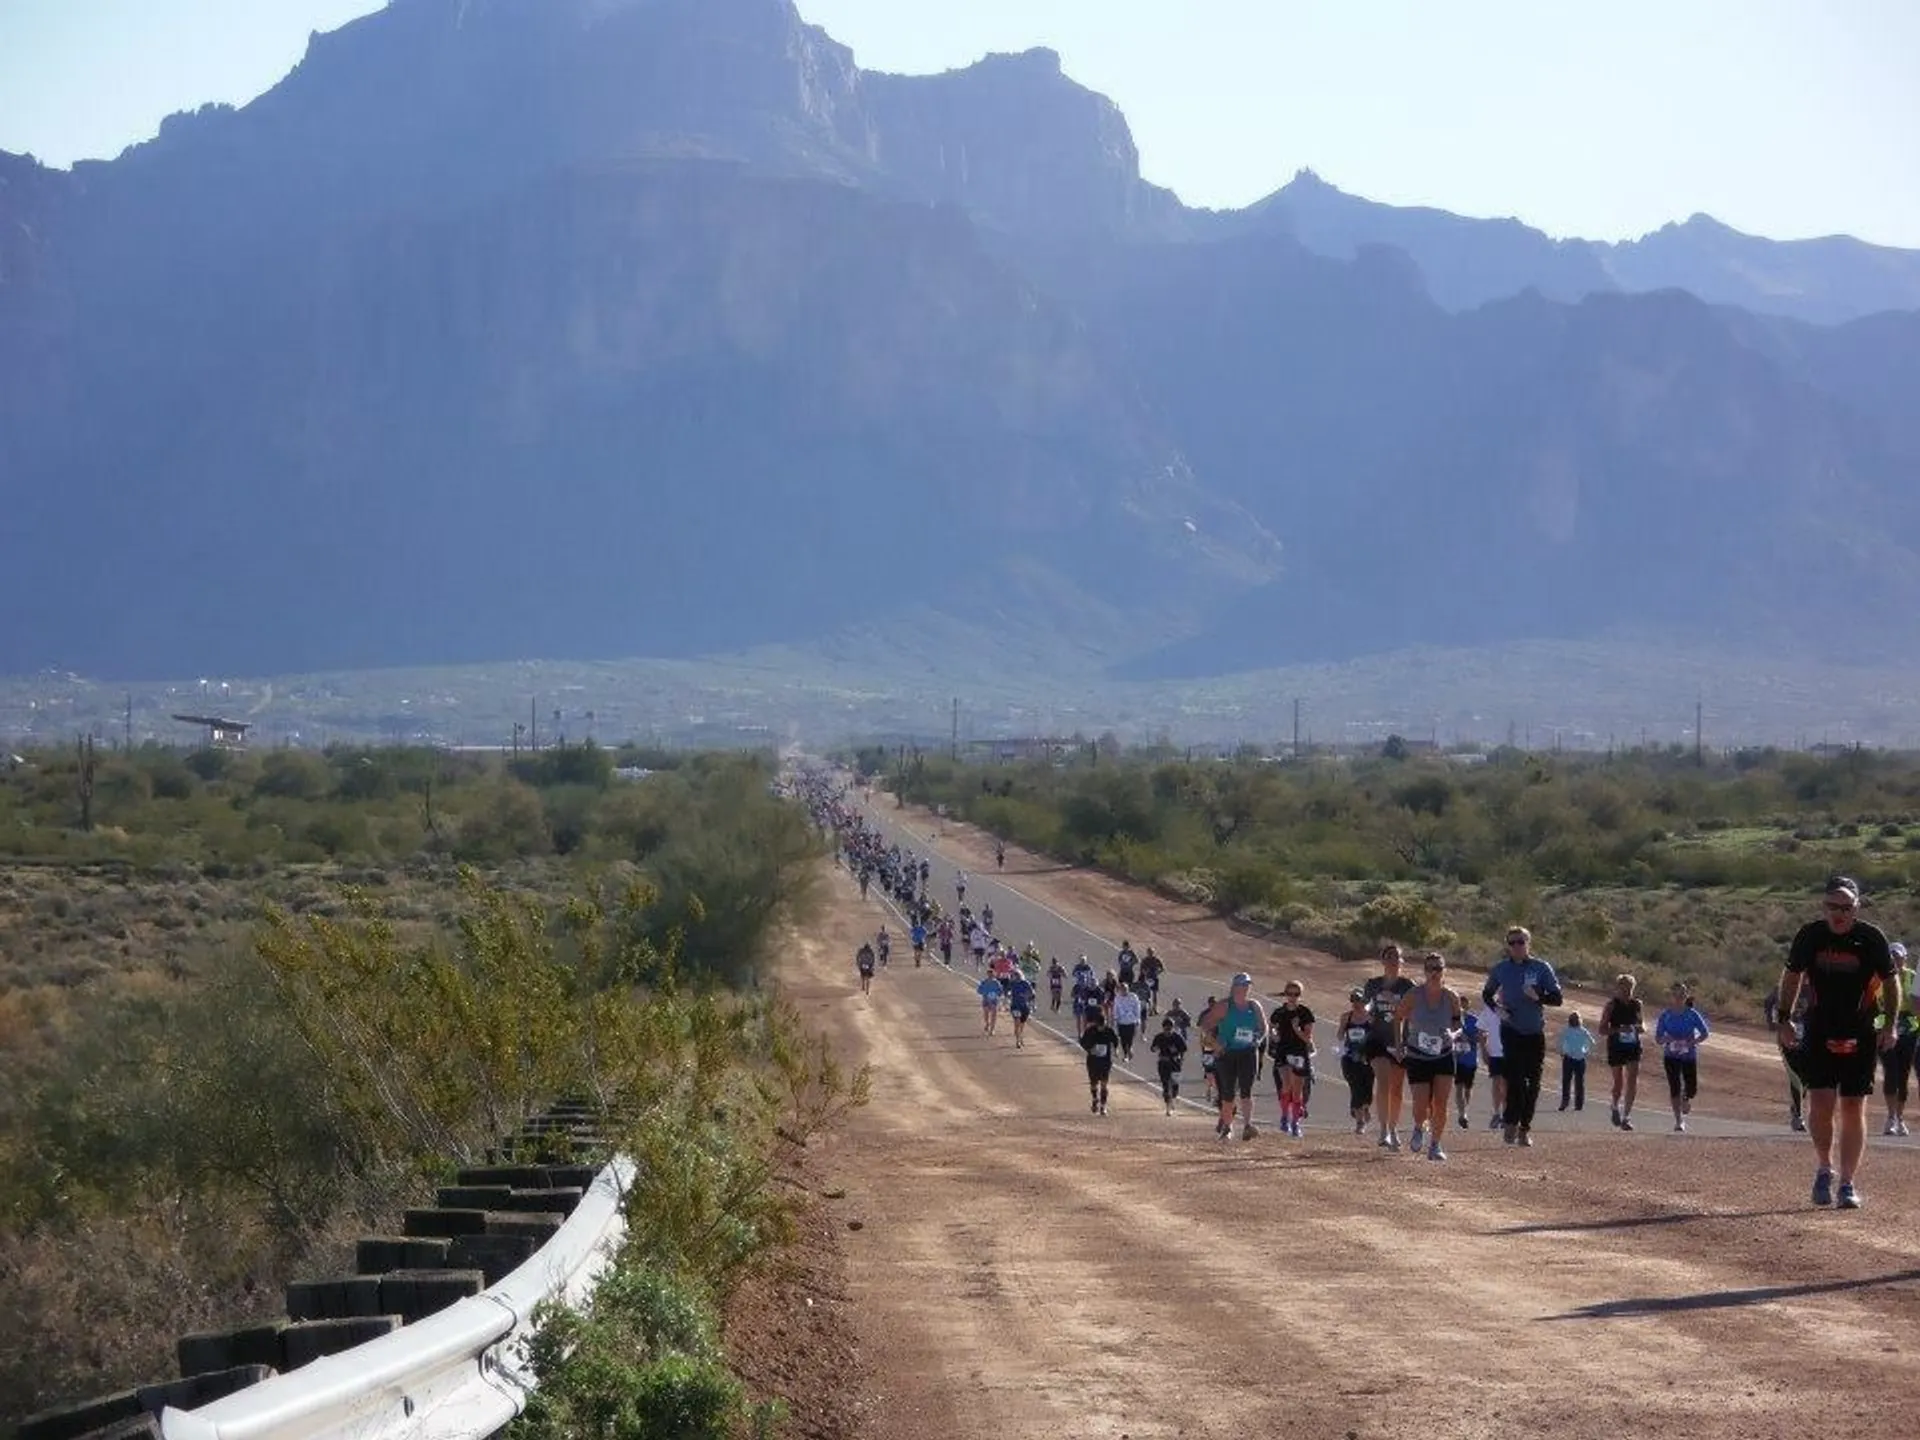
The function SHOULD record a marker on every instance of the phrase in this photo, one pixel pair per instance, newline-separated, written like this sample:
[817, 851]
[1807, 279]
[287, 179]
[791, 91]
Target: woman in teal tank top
[1239, 1027]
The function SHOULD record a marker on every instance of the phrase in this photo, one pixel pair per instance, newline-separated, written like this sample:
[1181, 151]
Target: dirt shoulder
[1023, 1267]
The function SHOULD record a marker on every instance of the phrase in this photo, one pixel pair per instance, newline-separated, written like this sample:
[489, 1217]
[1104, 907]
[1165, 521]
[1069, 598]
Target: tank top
[1239, 1029]
[1428, 1021]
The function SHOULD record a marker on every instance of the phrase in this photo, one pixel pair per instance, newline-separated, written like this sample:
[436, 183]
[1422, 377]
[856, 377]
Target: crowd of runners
[1411, 1047]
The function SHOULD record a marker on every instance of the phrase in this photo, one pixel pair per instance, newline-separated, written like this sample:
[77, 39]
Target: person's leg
[1383, 1115]
[1632, 1090]
[1580, 1084]
[1853, 1135]
[1437, 1112]
[1820, 1107]
[1672, 1067]
[1566, 1081]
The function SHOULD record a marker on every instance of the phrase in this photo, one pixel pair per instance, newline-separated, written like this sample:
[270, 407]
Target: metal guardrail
[461, 1374]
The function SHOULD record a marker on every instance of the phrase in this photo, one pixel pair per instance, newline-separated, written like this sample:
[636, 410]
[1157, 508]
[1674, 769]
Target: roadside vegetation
[228, 1048]
[1645, 860]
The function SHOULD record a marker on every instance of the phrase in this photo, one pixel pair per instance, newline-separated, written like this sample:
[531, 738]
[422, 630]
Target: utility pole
[84, 750]
[956, 728]
[1296, 727]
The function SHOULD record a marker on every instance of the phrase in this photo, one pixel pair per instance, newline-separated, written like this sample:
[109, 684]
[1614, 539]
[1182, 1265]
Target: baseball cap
[1356, 995]
[1897, 950]
[1243, 978]
[1844, 885]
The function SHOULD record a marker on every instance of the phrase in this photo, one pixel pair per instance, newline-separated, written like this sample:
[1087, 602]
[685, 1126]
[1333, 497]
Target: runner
[1624, 1025]
[1020, 1006]
[863, 962]
[1239, 1027]
[917, 937]
[986, 916]
[978, 943]
[960, 888]
[1466, 1063]
[1521, 986]
[1384, 993]
[1126, 1020]
[1897, 1063]
[1151, 968]
[1099, 1041]
[1124, 963]
[946, 943]
[1290, 1043]
[1178, 1014]
[1170, 1053]
[1056, 983]
[1678, 1032]
[1848, 966]
[989, 991]
[1000, 854]
[1355, 1027]
[1796, 1087]
[1489, 1019]
[1428, 1019]
[1209, 1056]
[1576, 1043]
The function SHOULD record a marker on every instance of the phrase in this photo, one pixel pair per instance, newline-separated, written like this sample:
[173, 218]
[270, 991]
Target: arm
[1490, 990]
[1549, 987]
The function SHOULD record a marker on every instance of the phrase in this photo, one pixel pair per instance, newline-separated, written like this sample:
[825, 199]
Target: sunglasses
[1834, 909]
[1516, 940]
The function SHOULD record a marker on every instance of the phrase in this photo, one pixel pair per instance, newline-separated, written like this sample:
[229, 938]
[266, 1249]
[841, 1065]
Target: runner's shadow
[1726, 1299]
[1549, 1227]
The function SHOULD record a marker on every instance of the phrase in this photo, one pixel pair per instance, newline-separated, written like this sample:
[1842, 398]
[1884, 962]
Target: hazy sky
[1604, 119]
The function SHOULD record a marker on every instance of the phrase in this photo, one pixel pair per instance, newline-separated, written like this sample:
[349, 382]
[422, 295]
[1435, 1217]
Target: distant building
[221, 734]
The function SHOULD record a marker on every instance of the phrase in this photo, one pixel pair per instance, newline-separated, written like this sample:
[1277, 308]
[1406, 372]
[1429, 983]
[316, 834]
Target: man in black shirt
[1847, 969]
[1170, 1052]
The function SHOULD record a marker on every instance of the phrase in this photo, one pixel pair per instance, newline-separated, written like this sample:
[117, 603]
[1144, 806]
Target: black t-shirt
[1170, 1047]
[1151, 966]
[1282, 1040]
[1099, 1041]
[865, 958]
[1618, 1019]
[1844, 972]
[1354, 1030]
[1383, 998]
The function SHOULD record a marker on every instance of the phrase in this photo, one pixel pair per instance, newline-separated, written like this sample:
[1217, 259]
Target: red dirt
[1025, 1268]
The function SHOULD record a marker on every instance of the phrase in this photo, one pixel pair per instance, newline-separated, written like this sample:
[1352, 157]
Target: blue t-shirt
[1020, 994]
[918, 936]
[1466, 1045]
[1506, 991]
[1679, 1033]
[1576, 1042]
[989, 991]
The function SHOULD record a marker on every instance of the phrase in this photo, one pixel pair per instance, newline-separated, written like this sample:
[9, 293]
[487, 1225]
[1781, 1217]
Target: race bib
[1296, 1062]
[1627, 1037]
[1243, 1035]
[1428, 1044]
[1099, 1052]
[1357, 1035]
[1680, 1049]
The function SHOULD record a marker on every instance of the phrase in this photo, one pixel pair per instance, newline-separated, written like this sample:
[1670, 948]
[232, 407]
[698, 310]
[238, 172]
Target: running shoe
[1903, 1129]
[1510, 1134]
[1103, 1107]
[1359, 1127]
[1680, 1127]
[1525, 1142]
[1495, 1123]
[1434, 1152]
[1890, 1129]
[1419, 1138]
[1393, 1140]
[1823, 1187]
[1626, 1122]
[1094, 1107]
[1249, 1131]
[1849, 1197]
[1222, 1130]
[1169, 1107]
[1383, 1143]
[1798, 1124]
[1616, 1117]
